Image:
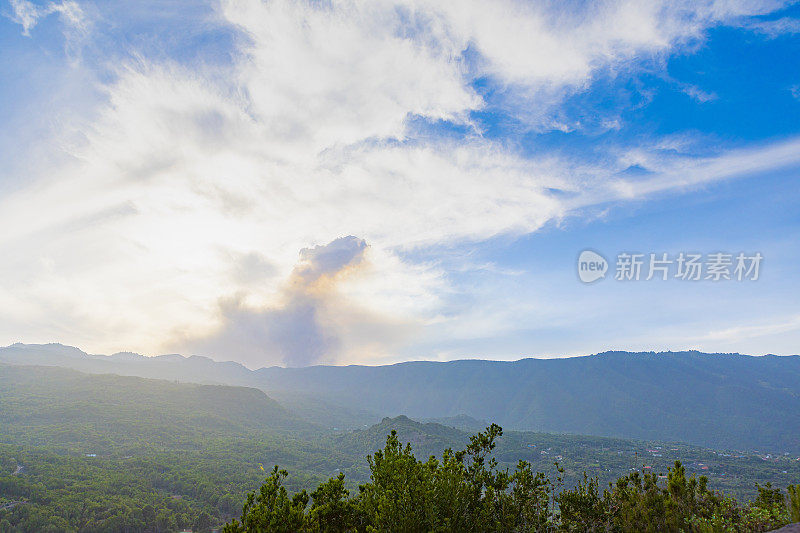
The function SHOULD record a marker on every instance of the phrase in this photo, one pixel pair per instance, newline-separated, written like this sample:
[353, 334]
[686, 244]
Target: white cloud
[541, 52]
[76, 24]
[197, 186]
[773, 28]
[329, 76]
[683, 173]
[736, 334]
[27, 14]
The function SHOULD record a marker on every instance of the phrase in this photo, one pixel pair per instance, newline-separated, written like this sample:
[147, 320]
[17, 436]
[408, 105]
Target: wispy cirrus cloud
[27, 14]
[774, 28]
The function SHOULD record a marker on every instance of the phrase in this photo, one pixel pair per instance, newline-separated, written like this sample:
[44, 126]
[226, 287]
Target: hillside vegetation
[465, 491]
[81, 452]
[65, 408]
[714, 400]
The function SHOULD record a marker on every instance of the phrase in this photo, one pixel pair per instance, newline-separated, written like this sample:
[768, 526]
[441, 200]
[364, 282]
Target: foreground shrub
[465, 491]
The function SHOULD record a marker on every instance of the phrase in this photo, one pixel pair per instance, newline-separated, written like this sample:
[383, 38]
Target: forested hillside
[712, 400]
[105, 452]
[65, 408]
[82, 452]
[722, 400]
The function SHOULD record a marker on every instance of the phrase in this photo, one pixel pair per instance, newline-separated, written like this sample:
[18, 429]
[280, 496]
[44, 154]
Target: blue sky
[293, 182]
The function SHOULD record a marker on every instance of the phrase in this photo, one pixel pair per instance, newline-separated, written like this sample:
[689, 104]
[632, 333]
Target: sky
[366, 182]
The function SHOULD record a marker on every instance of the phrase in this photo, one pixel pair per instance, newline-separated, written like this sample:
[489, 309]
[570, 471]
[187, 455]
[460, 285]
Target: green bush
[465, 491]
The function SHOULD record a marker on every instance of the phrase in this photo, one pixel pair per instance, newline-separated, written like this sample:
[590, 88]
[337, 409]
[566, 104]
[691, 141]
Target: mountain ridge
[135, 356]
[731, 400]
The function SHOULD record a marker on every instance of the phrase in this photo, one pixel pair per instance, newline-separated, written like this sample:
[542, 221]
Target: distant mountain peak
[52, 347]
[127, 356]
[170, 357]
